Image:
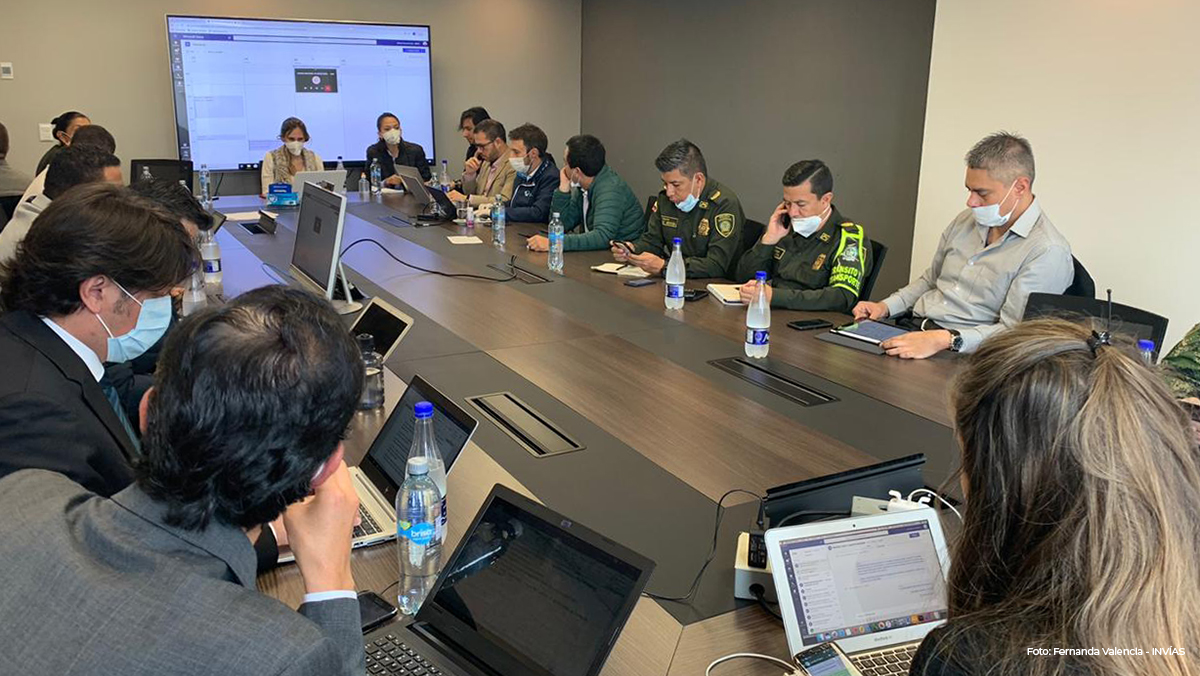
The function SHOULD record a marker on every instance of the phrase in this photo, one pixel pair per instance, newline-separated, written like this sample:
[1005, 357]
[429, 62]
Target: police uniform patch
[819, 262]
[724, 223]
[850, 253]
[715, 195]
[704, 205]
[779, 251]
[825, 237]
[702, 229]
[670, 221]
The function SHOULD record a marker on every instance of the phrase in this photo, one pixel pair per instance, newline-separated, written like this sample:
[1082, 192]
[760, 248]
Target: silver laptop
[378, 477]
[335, 177]
[385, 323]
[875, 585]
[413, 183]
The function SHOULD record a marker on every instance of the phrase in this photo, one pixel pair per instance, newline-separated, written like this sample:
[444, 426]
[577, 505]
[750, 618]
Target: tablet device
[869, 331]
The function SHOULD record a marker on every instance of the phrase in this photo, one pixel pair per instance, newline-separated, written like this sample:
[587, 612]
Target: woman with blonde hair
[283, 163]
[1082, 526]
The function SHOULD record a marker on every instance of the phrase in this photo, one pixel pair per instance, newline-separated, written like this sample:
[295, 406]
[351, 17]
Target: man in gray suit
[245, 419]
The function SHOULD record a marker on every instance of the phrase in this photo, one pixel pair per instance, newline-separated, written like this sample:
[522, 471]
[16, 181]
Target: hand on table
[749, 289]
[648, 262]
[456, 196]
[538, 243]
[917, 344]
[392, 181]
[868, 310]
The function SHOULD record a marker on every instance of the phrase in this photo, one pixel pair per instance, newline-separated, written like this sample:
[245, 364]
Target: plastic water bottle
[424, 445]
[205, 196]
[758, 321]
[555, 259]
[1146, 349]
[364, 186]
[146, 175]
[470, 219]
[376, 177]
[210, 254]
[372, 394]
[676, 274]
[445, 177]
[195, 297]
[499, 221]
[418, 543]
[340, 165]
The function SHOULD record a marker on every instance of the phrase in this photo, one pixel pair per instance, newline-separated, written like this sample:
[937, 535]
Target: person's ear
[826, 200]
[143, 408]
[91, 293]
[329, 466]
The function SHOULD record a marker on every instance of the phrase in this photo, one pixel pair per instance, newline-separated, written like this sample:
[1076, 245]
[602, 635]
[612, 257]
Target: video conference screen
[236, 80]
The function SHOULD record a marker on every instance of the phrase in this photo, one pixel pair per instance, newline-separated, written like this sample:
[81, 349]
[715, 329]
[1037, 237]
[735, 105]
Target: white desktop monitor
[319, 240]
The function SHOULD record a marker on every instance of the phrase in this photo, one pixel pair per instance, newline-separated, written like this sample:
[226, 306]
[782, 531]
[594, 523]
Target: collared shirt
[18, 226]
[77, 346]
[979, 289]
[12, 182]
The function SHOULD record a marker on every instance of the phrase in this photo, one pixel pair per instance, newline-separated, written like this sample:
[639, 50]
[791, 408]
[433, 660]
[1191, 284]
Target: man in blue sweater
[537, 176]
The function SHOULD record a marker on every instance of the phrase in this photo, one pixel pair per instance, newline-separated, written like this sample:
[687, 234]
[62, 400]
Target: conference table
[664, 427]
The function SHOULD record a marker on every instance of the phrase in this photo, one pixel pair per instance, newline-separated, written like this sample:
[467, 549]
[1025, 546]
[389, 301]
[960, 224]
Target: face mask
[805, 226]
[152, 323]
[294, 147]
[519, 164]
[392, 137]
[989, 215]
[688, 203]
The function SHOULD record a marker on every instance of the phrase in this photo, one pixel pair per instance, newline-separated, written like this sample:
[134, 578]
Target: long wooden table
[612, 357]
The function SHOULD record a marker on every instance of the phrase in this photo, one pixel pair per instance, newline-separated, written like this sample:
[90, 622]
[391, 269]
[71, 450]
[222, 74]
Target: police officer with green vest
[706, 215]
[815, 258]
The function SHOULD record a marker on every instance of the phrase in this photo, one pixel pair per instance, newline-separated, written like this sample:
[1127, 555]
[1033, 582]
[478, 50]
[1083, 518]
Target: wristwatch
[956, 341]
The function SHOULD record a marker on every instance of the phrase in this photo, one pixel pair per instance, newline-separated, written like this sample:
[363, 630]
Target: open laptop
[334, 177]
[527, 592]
[875, 585]
[378, 477]
[385, 323]
[423, 194]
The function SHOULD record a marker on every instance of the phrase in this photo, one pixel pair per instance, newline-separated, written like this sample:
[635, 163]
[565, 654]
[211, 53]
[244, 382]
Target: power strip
[745, 575]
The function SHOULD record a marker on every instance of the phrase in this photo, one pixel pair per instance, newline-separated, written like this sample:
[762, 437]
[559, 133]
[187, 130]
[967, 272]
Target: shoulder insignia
[702, 229]
[669, 221]
[850, 253]
[825, 237]
[715, 195]
[724, 223]
[819, 262]
[779, 251]
[704, 205]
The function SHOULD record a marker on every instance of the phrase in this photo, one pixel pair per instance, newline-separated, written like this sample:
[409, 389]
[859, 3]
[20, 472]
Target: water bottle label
[417, 533]
[212, 265]
[758, 336]
[674, 291]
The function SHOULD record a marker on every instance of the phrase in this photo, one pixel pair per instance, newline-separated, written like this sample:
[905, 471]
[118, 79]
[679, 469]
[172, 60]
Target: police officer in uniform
[705, 214]
[815, 258]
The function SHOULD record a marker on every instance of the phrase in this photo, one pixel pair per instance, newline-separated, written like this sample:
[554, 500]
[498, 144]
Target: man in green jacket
[592, 199]
[816, 259]
[1181, 366]
[706, 215]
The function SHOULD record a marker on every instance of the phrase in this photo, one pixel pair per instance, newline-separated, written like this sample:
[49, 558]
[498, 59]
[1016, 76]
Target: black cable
[712, 552]
[385, 589]
[464, 275]
[761, 596]
[795, 515]
[217, 187]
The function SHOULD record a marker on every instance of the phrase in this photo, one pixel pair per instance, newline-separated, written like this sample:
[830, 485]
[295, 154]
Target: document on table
[464, 239]
[726, 293]
[245, 216]
[621, 270]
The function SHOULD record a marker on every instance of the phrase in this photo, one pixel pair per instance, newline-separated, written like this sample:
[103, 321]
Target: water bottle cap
[366, 342]
[761, 276]
[424, 409]
[556, 214]
[678, 241]
[418, 466]
[1146, 345]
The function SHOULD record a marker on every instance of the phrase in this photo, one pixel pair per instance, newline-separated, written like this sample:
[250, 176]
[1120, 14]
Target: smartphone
[645, 281]
[625, 247]
[694, 294]
[809, 324]
[373, 610]
[218, 221]
[826, 659]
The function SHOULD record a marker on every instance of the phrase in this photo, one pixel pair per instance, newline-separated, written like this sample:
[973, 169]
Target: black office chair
[8, 206]
[3, 219]
[162, 170]
[1129, 321]
[1082, 286]
[878, 254]
[649, 210]
[752, 231]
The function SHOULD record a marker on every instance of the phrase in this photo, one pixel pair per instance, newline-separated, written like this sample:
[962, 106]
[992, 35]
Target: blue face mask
[152, 322]
[688, 203]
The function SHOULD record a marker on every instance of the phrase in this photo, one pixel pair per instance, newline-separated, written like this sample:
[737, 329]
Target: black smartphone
[645, 281]
[826, 658]
[809, 324]
[374, 610]
[694, 294]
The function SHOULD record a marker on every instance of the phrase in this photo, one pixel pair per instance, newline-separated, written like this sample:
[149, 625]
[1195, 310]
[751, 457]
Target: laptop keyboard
[887, 661]
[389, 655]
[368, 525]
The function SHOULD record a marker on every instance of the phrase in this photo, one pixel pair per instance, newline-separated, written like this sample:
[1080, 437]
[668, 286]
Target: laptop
[875, 585]
[423, 194]
[527, 592]
[385, 323]
[334, 177]
[378, 477]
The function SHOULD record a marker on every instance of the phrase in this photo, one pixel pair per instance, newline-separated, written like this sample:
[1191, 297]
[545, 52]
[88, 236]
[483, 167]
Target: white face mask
[294, 147]
[519, 165]
[805, 226]
[989, 215]
[392, 137]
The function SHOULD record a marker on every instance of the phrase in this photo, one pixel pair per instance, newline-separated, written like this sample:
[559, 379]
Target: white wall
[1108, 93]
[518, 58]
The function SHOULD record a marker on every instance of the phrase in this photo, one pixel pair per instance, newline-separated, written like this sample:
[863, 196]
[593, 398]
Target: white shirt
[18, 227]
[83, 351]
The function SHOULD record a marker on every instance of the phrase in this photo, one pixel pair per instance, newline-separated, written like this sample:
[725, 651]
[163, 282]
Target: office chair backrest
[649, 210]
[752, 231]
[878, 254]
[1128, 321]
[162, 170]
[1082, 285]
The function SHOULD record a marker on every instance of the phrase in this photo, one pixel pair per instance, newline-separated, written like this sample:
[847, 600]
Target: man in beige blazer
[488, 173]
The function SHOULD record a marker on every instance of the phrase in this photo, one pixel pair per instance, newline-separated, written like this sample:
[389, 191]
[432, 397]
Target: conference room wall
[1106, 92]
[761, 85]
[518, 58]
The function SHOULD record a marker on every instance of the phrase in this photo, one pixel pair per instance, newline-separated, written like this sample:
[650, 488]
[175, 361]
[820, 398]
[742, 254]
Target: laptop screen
[864, 581]
[546, 601]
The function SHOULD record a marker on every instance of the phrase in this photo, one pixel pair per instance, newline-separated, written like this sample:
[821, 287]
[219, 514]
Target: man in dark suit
[247, 413]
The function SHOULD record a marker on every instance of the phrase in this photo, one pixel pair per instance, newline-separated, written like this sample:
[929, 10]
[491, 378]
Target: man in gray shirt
[993, 255]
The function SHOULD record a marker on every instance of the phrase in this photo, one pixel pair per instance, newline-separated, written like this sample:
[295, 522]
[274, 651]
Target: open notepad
[728, 294]
[621, 270]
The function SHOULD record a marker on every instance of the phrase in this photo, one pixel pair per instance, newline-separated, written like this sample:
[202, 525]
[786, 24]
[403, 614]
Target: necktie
[114, 400]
